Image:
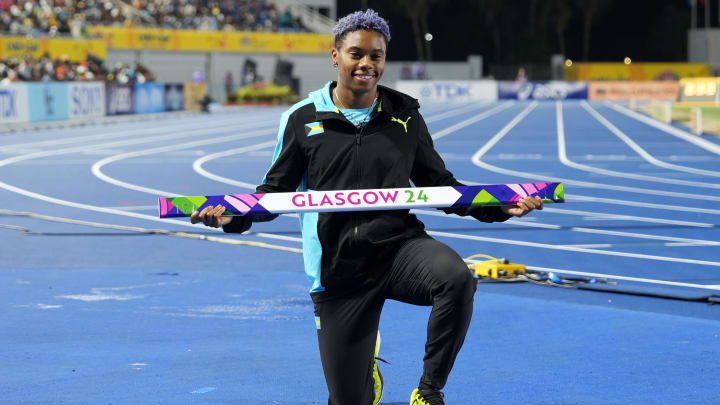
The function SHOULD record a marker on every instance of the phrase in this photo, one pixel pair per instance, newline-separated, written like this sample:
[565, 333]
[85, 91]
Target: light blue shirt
[358, 116]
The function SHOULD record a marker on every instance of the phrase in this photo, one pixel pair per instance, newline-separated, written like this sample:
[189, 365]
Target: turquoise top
[358, 116]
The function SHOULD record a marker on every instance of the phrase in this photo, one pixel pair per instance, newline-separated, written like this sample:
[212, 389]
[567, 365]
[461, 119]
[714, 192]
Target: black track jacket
[318, 149]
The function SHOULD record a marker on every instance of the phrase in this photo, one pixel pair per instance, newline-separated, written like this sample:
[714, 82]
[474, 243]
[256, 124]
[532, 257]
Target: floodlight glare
[428, 37]
[628, 60]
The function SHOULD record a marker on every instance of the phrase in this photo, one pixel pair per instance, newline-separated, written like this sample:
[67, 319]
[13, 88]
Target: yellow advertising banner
[635, 71]
[616, 91]
[212, 41]
[76, 50]
[700, 89]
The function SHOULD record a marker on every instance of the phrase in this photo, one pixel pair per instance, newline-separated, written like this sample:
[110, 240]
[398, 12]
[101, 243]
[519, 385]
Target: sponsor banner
[700, 89]
[14, 103]
[119, 99]
[174, 97]
[635, 71]
[75, 50]
[449, 90]
[212, 41]
[48, 101]
[86, 99]
[553, 90]
[192, 94]
[616, 91]
[149, 98]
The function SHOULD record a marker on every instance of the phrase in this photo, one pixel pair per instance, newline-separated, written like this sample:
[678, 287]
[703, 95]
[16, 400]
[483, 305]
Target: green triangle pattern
[187, 204]
[559, 193]
[485, 198]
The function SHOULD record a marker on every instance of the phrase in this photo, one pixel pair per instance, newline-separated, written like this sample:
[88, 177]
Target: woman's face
[361, 60]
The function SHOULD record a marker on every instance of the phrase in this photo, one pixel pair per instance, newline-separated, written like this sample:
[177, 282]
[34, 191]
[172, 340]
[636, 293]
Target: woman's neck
[345, 98]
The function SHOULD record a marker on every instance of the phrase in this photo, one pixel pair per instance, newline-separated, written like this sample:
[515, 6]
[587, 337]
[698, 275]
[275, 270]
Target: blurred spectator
[62, 69]
[52, 17]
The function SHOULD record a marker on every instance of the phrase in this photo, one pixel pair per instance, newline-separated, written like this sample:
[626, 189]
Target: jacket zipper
[358, 133]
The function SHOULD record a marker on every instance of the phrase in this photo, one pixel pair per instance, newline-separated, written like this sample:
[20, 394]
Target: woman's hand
[524, 206]
[211, 216]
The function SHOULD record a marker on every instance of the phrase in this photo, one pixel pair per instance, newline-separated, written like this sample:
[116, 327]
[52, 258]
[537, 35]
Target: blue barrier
[14, 103]
[553, 90]
[149, 98]
[49, 101]
[87, 99]
[119, 98]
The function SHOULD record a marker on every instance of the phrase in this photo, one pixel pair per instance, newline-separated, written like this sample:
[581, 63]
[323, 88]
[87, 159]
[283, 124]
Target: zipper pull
[357, 139]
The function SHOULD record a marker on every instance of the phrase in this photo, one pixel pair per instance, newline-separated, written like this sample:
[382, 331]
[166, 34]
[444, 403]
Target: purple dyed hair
[361, 20]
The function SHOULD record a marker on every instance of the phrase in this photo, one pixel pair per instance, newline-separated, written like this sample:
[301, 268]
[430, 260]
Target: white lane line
[197, 164]
[574, 249]
[626, 278]
[182, 132]
[583, 198]
[477, 160]
[598, 215]
[685, 136]
[520, 222]
[457, 111]
[97, 167]
[105, 135]
[562, 155]
[472, 120]
[642, 152]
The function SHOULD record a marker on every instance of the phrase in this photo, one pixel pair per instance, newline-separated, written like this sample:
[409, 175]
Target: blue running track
[102, 302]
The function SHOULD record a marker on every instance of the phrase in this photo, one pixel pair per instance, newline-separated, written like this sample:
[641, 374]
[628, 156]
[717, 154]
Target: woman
[355, 134]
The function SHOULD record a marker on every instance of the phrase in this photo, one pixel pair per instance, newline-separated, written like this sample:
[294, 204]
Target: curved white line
[477, 160]
[642, 152]
[562, 155]
[97, 166]
[705, 144]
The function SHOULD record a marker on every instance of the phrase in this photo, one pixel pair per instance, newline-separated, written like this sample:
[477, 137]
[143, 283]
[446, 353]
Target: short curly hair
[361, 20]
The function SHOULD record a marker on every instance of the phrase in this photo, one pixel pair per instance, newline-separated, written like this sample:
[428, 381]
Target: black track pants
[424, 272]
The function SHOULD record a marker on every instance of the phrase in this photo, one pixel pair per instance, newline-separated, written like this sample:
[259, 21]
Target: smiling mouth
[364, 76]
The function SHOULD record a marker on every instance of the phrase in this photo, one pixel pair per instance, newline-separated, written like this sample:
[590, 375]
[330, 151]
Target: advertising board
[86, 99]
[553, 90]
[449, 90]
[13, 103]
[48, 101]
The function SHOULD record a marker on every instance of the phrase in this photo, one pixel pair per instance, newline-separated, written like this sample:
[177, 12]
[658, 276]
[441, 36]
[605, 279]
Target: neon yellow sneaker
[426, 397]
[377, 375]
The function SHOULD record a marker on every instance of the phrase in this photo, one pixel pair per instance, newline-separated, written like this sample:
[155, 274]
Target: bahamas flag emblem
[314, 128]
[317, 323]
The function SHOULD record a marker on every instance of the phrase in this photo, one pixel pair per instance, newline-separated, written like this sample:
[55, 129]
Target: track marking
[115, 134]
[574, 249]
[685, 136]
[642, 152]
[634, 235]
[477, 160]
[626, 278]
[562, 155]
[472, 120]
[97, 166]
[457, 111]
[627, 217]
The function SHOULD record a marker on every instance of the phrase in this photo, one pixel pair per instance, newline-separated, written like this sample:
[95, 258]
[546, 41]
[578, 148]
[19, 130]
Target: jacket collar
[390, 101]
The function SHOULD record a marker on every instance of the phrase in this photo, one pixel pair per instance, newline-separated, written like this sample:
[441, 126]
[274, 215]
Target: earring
[335, 65]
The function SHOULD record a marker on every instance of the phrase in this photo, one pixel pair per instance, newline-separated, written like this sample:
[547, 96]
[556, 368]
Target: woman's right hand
[211, 216]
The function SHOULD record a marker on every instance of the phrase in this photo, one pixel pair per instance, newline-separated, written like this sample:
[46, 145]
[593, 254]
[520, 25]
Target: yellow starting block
[494, 267]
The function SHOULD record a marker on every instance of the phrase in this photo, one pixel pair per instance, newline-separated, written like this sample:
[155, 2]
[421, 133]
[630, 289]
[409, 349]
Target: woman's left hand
[524, 206]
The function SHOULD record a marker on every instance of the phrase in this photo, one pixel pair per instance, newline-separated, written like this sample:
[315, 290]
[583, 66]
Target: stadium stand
[45, 69]
[72, 17]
